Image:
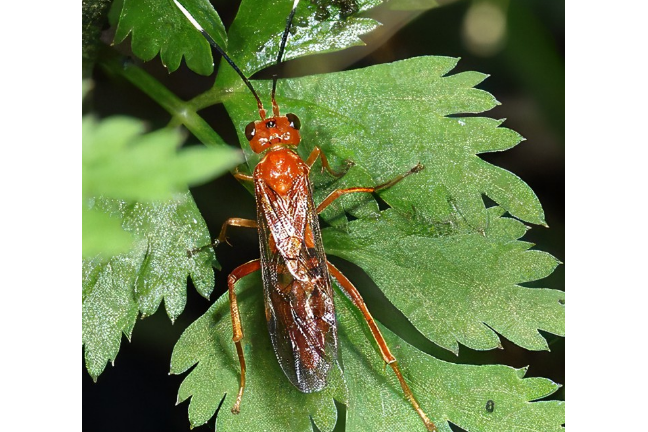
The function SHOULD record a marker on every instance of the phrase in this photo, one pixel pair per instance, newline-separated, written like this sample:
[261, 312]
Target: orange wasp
[297, 288]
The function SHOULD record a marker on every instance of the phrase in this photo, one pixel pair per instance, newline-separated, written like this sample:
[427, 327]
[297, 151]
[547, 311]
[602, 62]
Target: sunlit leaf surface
[115, 290]
[457, 285]
[386, 118]
[448, 392]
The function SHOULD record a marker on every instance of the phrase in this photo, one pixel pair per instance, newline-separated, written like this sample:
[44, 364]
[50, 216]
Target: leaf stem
[182, 112]
[226, 85]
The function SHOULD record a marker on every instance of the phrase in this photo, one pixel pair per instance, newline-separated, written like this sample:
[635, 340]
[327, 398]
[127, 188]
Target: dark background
[526, 71]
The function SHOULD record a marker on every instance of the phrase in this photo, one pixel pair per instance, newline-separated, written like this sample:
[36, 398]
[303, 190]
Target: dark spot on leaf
[490, 406]
[217, 317]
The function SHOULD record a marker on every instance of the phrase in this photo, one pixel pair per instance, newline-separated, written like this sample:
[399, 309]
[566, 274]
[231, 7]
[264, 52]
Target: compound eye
[294, 121]
[250, 130]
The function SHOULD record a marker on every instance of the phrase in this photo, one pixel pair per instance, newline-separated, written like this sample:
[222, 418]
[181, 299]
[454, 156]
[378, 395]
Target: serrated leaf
[459, 287]
[109, 309]
[155, 269]
[448, 392]
[165, 233]
[386, 118]
[159, 27]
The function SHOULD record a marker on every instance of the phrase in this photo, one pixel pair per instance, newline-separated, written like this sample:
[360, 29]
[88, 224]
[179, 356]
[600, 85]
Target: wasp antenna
[213, 43]
[275, 107]
[284, 38]
[282, 47]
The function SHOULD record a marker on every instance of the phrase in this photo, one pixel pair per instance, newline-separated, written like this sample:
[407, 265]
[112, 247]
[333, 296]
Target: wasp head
[273, 131]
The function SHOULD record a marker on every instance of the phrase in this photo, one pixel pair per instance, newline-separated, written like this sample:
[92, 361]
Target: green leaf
[109, 309]
[158, 26]
[446, 391]
[121, 162]
[317, 28]
[386, 118]
[155, 269]
[103, 234]
[457, 286]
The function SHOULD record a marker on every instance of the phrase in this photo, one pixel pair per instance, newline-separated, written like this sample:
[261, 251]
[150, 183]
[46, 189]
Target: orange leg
[242, 176]
[317, 152]
[386, 354]
[222, 237]
[338, 193]
[238, 222]
[237, 329]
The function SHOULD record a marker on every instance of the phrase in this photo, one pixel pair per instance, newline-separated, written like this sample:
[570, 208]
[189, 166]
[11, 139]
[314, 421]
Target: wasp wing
[297, 288]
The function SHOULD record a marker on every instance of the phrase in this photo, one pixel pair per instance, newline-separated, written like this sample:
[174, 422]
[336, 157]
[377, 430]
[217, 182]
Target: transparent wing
[297, 288]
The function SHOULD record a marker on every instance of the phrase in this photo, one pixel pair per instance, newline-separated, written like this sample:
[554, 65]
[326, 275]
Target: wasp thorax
[280, 130]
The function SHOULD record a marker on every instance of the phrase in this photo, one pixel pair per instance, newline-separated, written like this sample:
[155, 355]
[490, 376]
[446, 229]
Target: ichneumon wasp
[296, 274]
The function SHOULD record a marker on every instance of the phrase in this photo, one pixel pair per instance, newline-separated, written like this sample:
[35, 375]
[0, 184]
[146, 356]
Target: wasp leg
[222, 237]
[237, 222]
[241, 176]
[237, 329]
[388, 357]
[317, 152]
[339, 192]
